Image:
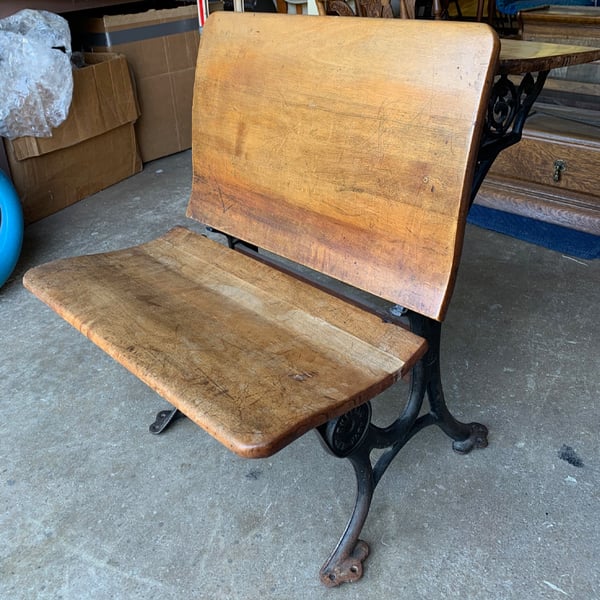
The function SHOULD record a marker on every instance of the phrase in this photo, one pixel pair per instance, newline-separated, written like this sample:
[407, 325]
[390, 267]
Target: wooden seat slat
[250, 354]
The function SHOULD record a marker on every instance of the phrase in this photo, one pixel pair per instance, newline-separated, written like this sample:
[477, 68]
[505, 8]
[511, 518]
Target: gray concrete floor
[93, 506]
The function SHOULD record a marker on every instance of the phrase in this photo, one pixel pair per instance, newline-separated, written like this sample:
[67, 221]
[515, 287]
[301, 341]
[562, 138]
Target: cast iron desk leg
[354, 436]
[164, 418]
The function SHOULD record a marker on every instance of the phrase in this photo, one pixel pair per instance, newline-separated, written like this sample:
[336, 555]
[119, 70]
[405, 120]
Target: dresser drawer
[559, 153]
[552, 174]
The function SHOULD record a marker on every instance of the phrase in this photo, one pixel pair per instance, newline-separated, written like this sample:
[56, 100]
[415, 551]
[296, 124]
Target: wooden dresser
[553, 174]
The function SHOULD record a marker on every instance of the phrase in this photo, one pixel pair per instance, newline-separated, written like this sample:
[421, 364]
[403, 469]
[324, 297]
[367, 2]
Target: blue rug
[561, 239]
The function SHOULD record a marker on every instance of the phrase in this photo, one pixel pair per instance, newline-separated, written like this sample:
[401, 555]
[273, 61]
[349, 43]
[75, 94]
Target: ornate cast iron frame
[508, 108]
[353, 435]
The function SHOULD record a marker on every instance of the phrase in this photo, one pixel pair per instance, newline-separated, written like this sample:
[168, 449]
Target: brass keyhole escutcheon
[559, 167]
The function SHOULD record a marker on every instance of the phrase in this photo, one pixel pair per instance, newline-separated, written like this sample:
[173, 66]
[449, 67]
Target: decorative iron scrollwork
[502, 107]
[508, 107]
[344, 434]
[507, 102]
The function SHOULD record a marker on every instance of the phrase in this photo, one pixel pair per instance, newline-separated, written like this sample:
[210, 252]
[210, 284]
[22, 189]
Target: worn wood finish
[252, 355]
[347, 164]
[351, 161]
[522, 56]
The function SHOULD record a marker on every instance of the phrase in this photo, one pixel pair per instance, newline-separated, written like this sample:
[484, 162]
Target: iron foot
[349, 436]
[163, 419]
[345, 569]
[477, 439]
[466, 436]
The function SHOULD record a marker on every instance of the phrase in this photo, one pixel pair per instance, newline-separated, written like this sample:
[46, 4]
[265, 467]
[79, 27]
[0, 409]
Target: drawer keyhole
[559, 167]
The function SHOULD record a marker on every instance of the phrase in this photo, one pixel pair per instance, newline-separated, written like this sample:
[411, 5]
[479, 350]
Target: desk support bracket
[164, 418]
[508, 108]
[354, 436]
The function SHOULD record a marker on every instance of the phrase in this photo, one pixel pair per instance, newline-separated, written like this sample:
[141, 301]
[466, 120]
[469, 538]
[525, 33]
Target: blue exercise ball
[11, 228]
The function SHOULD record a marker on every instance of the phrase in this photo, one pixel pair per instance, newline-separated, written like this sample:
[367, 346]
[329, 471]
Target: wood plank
[557, 206]
[370, 186]
[250, 354]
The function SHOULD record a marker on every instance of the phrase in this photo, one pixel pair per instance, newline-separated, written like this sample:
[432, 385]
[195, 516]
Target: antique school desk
[377, 135]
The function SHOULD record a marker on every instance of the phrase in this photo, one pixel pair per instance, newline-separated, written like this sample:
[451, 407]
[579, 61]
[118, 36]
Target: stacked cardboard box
[94, 148]
[161, 48]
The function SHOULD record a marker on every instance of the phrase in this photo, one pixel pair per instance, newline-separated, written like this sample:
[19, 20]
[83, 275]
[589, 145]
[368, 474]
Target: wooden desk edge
[520, 56]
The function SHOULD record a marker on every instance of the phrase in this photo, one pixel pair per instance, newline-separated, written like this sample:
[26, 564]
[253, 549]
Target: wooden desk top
[520, 56]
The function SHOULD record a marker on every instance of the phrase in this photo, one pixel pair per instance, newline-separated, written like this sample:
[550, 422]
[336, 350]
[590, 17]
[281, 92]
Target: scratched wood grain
[356, 160]
[250, 354]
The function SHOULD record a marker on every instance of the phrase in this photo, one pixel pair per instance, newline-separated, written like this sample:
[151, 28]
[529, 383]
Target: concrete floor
[93, 506]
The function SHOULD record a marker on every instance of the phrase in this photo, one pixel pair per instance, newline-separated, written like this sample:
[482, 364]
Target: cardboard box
[94, 148]
[161, 47]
